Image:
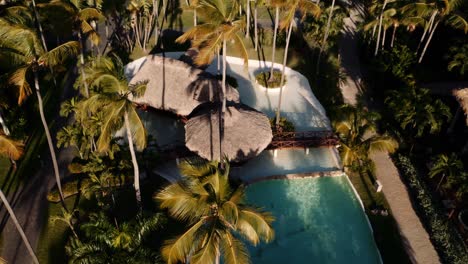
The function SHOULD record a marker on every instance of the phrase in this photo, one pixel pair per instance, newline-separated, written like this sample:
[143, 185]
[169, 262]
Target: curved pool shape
[318, 220]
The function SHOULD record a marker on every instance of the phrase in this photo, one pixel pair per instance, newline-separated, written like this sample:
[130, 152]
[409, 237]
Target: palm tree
[14, 150]
[415, 109]
[438, 11]
[449, 167]
[23, 51]
[356, 129]
[220, 27]
[216, 214]
[327, 29]
[105, 242]
[79, 18]
[67, 218]
[111, 96]
[276, 4]
[304, 7]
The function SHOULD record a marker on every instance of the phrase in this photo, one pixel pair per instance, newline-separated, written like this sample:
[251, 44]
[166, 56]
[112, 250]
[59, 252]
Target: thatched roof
[247, 133]
[177, 87]
[462, 97]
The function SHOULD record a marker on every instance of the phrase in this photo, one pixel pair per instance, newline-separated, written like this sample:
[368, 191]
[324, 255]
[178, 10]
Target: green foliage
[104, 241]
[458, 58]
[284, 124]
[265, 80]
[445, 237]
[314, 28]
[398, 61]
[356, 128]
[417, 111]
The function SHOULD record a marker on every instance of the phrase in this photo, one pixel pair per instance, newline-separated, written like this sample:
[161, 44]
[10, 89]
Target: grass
[386, 232]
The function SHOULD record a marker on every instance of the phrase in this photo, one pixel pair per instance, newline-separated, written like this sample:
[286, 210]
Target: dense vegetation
[50, 47]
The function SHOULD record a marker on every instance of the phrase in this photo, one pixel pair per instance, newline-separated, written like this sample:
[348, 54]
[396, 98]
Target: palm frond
[19, 80]
[260, 222]
[138, 129]
[60, 54]
[10, 148]
[175, 250]
[233, 250]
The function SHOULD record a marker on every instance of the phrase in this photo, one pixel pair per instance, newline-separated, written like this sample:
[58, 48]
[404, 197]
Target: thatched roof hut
[247, 133]
[177, 87]
[462, 97]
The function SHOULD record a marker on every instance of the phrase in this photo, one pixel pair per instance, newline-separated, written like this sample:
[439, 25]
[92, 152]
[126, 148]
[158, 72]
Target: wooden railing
[303, 139]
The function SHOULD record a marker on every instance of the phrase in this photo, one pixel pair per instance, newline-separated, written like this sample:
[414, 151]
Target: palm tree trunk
[327, 29]
[3, 124]
[255, 25]
[18, 227]
[285, 60]
[393, 36]
[380, 29]
[426, 29]
[39, 26]
[247, 13]
[428, 41]
[383, 37]
[440, 182]
[224, 74]
[136, 173]
[275, 32]
[194, 17]
[218, 62]
[49, 138]
[82, 63]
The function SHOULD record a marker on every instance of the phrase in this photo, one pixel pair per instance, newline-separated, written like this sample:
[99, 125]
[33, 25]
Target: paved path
[418, 245]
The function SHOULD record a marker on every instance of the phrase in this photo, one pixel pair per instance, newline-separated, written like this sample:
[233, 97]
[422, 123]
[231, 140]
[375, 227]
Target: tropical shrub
[263, 78]
[444, 236]
[284, 124]
[457, 57]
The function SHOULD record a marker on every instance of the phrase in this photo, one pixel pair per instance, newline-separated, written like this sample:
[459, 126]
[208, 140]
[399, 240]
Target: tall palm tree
[216, 214]
[277, 4]
[111, 96]
[304, 7]
[22, 50]
[14, 150]
[220, 27]
[448, 167]
[327, 29]
[79, 19]
[438, 11]
[356, 129]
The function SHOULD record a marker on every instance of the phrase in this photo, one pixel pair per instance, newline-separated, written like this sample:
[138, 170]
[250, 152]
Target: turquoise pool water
[318, 220]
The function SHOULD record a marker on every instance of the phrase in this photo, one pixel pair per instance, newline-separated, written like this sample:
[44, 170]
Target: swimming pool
[318, 220]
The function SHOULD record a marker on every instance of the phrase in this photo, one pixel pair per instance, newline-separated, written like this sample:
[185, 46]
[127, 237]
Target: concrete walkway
[417, 242]
[418, 245]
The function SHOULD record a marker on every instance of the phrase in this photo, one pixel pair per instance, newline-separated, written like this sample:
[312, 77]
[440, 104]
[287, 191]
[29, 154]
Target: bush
[285, 125]
[444, 236]
[263, 78]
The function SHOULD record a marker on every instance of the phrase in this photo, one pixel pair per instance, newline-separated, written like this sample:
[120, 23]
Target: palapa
[247, 133]
[462, 97]
[177, 87]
